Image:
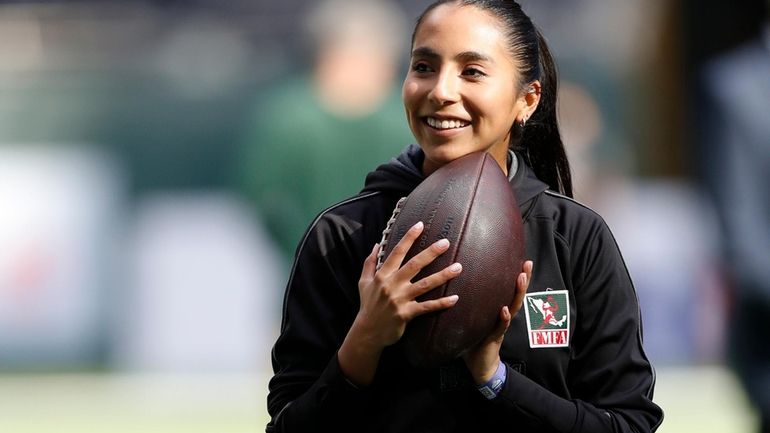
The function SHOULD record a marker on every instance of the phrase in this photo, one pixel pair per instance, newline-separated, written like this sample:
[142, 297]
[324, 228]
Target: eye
[473, 72]
[421, 67]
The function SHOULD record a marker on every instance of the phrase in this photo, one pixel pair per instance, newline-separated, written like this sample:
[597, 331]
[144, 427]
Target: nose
[445, 89]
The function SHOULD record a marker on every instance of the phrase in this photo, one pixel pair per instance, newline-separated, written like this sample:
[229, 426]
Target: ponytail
[540, 140]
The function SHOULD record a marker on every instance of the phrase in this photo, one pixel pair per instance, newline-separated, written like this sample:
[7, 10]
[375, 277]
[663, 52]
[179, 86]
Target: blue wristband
[495, 384]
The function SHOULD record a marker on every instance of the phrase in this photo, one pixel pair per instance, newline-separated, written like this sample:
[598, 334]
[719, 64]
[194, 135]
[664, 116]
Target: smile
[446, 124]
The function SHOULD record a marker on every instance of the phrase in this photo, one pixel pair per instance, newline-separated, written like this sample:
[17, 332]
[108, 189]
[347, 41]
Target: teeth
[445, 124]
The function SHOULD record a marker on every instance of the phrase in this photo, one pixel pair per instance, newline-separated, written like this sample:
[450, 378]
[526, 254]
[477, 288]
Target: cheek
[409, 93]
[502, 107]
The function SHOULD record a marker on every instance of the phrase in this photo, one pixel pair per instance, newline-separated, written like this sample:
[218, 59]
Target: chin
[447, 151]
[438, 155]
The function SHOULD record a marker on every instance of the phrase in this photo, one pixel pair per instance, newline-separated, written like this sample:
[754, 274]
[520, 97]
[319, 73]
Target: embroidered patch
[547, 318]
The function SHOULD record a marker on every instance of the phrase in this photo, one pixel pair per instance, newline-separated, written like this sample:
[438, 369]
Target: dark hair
[539, 141]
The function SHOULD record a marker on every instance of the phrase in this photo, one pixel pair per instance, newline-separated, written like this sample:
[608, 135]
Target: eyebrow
[465, 56]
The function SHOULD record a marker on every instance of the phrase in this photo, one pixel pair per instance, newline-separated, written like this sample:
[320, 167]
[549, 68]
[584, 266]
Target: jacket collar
[526, 186]
[403, 173]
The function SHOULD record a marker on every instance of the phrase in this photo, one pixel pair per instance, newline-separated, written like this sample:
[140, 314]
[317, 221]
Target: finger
[396, 256]
[502, 325]
[422, 259]
[505, 317]
[370, 264]
[522, 283]
[434, 280]
[415, 308]
[528, 265]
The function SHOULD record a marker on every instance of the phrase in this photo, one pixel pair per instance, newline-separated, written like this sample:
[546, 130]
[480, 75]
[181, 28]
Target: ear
[529, 100]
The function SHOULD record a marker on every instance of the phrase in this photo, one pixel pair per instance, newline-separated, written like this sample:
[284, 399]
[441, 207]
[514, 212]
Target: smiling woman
[481, 80]
[458, 90]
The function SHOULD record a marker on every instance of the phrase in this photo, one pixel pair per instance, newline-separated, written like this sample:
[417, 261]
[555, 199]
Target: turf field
[702, 400]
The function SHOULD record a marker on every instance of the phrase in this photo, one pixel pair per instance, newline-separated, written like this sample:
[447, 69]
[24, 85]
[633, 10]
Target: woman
[481, 79]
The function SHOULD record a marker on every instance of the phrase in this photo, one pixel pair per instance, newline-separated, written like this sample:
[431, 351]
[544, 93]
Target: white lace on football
[386, 232]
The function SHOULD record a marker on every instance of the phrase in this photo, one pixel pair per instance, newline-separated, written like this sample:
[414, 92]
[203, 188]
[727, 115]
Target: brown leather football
[470, 202]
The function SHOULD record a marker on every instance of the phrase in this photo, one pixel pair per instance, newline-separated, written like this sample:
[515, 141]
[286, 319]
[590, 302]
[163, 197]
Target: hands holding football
[464, 213]
[482, 360]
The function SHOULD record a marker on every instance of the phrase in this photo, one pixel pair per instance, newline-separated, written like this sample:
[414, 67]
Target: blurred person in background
[329, 126]
[734, 133]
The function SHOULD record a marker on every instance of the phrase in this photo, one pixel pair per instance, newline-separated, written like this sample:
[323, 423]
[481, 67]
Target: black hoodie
[574, 351]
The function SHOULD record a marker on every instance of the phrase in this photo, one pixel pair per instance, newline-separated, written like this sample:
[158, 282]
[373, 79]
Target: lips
[445, 123]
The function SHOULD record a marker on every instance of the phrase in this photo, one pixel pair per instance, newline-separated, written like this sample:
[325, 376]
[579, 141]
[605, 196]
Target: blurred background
[160, 160]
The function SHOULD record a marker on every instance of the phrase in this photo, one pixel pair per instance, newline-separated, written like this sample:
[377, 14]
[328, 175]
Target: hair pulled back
[539, 140]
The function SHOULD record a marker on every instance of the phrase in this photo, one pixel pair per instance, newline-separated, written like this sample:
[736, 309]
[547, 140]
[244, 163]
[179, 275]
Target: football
[469, 202]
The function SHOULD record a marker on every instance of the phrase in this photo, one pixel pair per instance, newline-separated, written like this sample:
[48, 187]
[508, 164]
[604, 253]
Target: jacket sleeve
[308, 391]
[609, 377]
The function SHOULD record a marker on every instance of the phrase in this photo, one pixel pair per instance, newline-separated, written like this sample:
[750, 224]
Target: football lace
[388, 229]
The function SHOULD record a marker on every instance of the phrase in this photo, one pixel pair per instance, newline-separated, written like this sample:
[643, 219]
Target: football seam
[461, 236]
[388, 230]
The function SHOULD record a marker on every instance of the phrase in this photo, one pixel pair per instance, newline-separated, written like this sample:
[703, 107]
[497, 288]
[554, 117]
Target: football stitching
[387, 230]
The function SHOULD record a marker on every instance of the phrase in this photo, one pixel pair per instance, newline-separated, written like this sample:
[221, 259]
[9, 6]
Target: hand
[482, 360]
[388, 303]
[388, 296]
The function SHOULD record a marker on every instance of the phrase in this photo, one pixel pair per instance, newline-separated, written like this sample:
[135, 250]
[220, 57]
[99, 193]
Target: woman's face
[461, 91]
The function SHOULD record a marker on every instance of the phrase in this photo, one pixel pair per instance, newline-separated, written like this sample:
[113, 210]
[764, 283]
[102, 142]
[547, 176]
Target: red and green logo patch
[547, 318]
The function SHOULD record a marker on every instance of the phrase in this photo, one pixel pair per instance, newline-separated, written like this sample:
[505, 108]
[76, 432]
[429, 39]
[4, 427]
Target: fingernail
[453, 298]
[442, 243]
[455, 267]
[418, 225]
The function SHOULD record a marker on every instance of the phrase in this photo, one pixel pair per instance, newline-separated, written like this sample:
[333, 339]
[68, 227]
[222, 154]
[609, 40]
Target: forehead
[462, 28]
